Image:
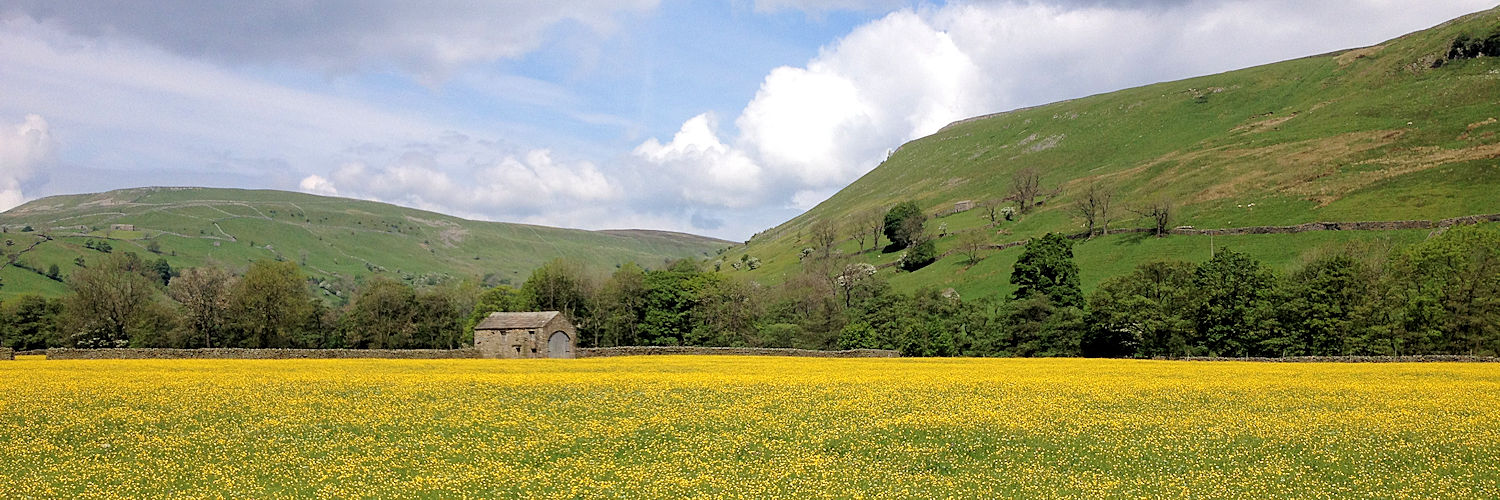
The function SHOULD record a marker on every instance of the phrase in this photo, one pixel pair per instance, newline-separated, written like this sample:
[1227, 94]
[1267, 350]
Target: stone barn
[511, 335]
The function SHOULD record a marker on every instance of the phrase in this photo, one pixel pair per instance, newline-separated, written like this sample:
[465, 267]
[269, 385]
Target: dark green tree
[920, 254]
[271, 305]
[621, 307]
[1317, 306]
[904, 223]
[1046, 268]
[1234, 307]
[501, 298]
[30, 322]
[670, 306]
[1144, 313]
[163, 270]
[1449, 291]
[440, 314]
[380, 317]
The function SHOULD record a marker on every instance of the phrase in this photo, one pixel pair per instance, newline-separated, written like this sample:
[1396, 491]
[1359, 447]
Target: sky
[714, 118]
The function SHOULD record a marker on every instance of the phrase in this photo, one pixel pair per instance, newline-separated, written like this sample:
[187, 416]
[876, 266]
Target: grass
[741, 427]
[1364, 135]
[332, 238]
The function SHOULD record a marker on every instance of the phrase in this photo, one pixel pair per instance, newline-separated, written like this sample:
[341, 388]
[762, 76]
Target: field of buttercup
[665, 427]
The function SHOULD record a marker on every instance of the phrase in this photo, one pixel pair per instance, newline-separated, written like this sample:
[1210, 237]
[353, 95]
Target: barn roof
[515, 320]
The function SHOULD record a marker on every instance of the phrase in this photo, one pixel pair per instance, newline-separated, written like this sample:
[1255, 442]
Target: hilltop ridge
[336, 240]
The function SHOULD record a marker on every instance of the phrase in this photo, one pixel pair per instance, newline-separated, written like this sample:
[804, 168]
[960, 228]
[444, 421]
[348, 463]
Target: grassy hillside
[1379, 133]
[334, 239]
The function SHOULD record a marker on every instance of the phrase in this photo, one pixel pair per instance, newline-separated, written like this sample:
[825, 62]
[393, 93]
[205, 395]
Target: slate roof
[516, 320]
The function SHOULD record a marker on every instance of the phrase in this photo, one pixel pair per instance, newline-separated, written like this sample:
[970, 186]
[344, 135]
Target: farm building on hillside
[510, 335]
[122, 227]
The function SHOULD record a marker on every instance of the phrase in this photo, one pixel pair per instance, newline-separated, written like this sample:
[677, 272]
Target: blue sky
[718, 118]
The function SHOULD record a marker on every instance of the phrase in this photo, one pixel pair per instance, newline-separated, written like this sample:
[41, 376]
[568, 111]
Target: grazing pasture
[724, 426]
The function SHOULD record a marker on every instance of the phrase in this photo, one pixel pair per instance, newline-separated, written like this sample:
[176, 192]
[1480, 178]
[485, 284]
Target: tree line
[1440, 296]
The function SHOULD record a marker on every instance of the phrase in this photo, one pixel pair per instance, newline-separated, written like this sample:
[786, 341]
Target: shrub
[920, 255]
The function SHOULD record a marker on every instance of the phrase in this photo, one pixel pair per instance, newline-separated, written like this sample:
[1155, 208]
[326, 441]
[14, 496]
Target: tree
[1449, 289]
[204, 293]
[501, 298]
[153, 246]
[873, 221]
[1144, 313]
[858, 233]
[1316, 307]
[30, 322]
[726, 313]
[271, 304]
[972, 242]
[163, 271]
[855, 281]
[671, 298]
[439, 314]
[991, 207]
[621, 307]
[1234, 305]
[1046, 268]
[825, 233]
[920, 254]
[1025, 185]
[904, 223]
[1094, 208]
[111, 302]
[1159, 213]
[380, 317]
[54, 272]
[1036, 326]
[560, 285]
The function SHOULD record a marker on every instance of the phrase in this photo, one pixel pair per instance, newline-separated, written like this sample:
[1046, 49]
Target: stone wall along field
[6, 354]
[261, 353]
[1434, 358]
[601, 352]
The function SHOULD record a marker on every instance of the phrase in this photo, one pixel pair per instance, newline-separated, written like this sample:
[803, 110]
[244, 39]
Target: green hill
[336, 240]
[1394, 131]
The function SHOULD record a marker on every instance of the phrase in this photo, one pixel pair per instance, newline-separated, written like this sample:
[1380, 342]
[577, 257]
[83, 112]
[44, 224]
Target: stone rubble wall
[7, 354]
[1440, 358]
[233, 353]
[602, 352]
[1312, 226]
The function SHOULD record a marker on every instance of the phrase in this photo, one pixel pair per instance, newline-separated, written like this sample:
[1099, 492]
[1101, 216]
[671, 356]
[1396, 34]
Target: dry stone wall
[261, 353]
[7, 354]
[1361, 359]
[602, 352]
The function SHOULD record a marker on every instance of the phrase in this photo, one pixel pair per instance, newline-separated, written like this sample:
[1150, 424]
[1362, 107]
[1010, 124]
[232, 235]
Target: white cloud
[705, 170]
[529, 185]
[888, 81]
[24, 148]
[316, 184]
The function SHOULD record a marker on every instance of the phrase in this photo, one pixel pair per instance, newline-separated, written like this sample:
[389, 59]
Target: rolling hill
[336, 240]
[1394, 131]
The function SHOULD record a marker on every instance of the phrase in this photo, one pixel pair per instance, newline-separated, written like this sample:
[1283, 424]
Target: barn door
[557, 345]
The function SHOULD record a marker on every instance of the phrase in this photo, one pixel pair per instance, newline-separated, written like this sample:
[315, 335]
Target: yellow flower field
[665, 427]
